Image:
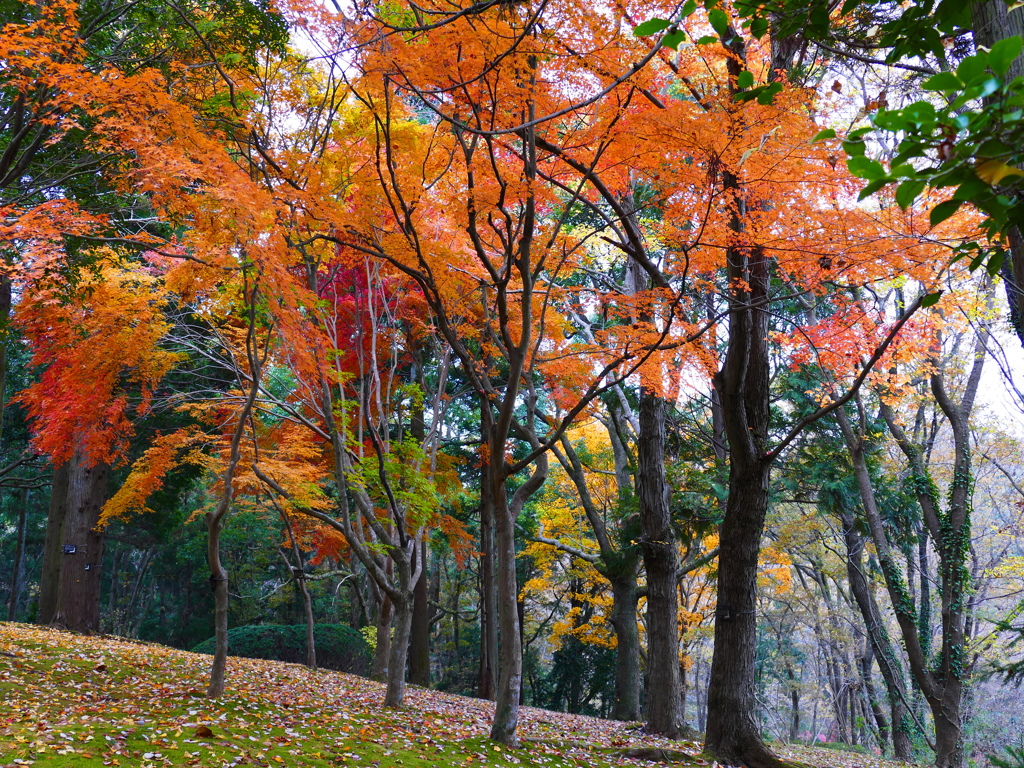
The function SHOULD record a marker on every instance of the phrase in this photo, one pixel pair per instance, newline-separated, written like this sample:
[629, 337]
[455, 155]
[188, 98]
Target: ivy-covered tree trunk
[874, 624]
[943, 684]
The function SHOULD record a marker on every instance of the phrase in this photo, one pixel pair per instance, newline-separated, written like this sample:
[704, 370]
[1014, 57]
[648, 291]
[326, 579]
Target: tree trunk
[307, 606]
[219, 583]
[506, 710]
[658, 545]
[733, 736]
[53, 553]
[794, 706]
[382, 653]
[871, 699]
[628, 681]
[419, 642]
[881, 644]
[18, 572]
[78, 596]
[395, 695]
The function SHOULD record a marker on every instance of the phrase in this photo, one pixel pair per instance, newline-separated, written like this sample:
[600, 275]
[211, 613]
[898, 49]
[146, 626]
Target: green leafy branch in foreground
[975, 143]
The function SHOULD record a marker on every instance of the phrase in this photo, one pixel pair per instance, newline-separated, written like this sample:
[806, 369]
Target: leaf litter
[99, 701]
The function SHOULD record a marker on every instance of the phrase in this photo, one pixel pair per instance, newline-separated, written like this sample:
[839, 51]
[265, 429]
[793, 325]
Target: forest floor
[73, 700]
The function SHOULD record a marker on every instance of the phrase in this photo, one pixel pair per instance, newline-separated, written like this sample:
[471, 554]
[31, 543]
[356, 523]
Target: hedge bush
[337, 646]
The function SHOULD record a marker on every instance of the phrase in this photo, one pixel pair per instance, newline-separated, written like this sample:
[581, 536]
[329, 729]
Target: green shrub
[337, 646]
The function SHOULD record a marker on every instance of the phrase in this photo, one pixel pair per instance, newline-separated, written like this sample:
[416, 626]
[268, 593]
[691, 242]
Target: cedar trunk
[78, 593]
[49, 581]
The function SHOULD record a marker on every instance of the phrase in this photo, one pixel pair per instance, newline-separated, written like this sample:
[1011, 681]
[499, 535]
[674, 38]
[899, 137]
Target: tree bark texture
[733, 736]
[219, 584]
[658, 544]
[49, 581]
[506, 709]
[628, 680]
[382, 651]
[419, 642]
[78, 593]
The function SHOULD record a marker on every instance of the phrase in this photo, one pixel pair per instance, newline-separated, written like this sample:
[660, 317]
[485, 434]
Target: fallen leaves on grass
[98, 701]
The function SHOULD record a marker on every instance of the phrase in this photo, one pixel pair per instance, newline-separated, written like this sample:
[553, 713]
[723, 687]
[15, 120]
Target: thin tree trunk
[881, 644]
[487, 677]
[794, 706]
[299, 574]
[216, 517]
[219, 584]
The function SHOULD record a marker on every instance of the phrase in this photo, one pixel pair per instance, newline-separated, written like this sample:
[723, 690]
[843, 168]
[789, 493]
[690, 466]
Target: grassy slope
[90, 701]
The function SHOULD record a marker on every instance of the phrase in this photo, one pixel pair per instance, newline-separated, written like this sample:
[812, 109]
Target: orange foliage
[98, 345]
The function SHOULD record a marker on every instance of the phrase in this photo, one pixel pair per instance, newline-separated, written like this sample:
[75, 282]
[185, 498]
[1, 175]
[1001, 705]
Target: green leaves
[673, 39]
[943, 211]
[719, 21]
[1003, 54]
[651, 27]
[908, 191]
[865, 168]
[944, 81]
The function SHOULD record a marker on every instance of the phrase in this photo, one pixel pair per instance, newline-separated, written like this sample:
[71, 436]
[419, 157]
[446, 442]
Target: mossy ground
[70, 700]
